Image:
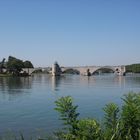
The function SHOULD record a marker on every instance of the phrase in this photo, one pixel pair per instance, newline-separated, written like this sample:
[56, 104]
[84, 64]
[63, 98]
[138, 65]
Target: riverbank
[5, 75]
[11, 75]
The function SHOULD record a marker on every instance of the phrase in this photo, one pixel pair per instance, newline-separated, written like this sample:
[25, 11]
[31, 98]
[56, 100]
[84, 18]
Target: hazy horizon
[73, 33]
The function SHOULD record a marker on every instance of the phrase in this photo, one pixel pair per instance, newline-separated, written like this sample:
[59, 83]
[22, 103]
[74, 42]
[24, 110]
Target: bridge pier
[56, 70]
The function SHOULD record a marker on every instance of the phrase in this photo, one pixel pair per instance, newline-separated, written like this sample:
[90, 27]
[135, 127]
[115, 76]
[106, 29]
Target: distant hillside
[134, 68]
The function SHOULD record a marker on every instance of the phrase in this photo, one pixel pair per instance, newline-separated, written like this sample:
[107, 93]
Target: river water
[27, 104]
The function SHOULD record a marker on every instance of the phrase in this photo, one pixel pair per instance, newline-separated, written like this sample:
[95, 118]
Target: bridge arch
[71, 71]
[32, 70]
[116, 70]
[104, 69]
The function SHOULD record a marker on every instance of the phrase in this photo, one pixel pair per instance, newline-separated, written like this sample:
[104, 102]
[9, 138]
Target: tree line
[134, 68]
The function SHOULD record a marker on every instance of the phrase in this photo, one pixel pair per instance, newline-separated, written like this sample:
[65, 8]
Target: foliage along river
[27, 104]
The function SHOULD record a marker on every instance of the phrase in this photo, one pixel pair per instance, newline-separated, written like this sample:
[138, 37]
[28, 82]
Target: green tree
[28, 64]
[14, 65]
[135, 68]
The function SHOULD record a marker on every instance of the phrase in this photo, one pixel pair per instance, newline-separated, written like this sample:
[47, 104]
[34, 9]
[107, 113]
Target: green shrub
[130, 116]
[118, 125]
[68, 113]
[111, 121]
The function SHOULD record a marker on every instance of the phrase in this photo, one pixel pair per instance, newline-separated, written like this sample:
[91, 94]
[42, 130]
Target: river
[27, 104]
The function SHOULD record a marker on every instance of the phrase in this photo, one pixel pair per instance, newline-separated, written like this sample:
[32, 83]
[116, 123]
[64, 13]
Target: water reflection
[14, 86]
[86, 81]
[56, 82]
[120, 81]
[28, 103]
[103, 81]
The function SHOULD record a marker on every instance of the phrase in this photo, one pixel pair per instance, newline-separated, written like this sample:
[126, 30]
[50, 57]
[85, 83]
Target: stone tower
[56, 70]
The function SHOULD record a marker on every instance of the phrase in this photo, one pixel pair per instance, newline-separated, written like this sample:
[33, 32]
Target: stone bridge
[31, 70]
[119, 70]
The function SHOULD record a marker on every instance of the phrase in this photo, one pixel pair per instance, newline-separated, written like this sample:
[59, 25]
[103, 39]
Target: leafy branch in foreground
[68, 113]
[130, 116]
[111, 120]
[118, 125]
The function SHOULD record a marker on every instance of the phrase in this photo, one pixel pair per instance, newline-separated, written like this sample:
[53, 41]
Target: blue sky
[73, 32]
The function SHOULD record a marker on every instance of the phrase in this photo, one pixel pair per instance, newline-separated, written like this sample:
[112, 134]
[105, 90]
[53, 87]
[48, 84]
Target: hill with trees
[134, 68]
